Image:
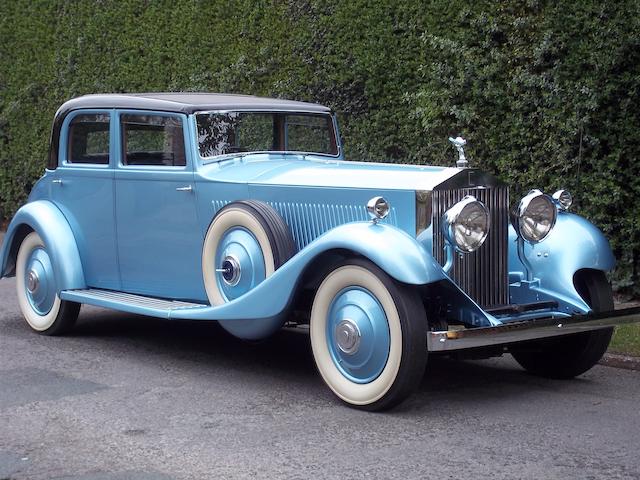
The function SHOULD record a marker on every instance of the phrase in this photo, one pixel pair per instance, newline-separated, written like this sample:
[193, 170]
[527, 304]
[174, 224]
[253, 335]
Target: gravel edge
[620, 361]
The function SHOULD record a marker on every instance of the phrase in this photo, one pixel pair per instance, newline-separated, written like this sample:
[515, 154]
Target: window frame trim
[218, 158]
[63, 147]
[119, 160]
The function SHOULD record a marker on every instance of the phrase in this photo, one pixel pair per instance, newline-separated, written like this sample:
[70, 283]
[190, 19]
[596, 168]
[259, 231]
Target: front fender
[398, 254]
[47, 220]
[574, 244]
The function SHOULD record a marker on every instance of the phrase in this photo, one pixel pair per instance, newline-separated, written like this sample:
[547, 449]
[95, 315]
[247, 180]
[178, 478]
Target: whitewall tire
[37, 291]
[368, 336]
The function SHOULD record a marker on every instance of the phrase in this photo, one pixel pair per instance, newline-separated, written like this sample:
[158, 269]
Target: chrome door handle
[188, 188]
[57, 181]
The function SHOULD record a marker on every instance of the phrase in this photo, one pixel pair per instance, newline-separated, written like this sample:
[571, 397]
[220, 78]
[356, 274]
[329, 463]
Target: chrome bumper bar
[451, 340]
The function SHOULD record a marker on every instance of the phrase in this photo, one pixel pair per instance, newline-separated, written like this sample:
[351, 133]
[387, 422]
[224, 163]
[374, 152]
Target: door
[159, 239]
[83, 190]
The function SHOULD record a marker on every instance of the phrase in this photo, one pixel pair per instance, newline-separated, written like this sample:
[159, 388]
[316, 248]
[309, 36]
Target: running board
[128, 302]
[450, 340]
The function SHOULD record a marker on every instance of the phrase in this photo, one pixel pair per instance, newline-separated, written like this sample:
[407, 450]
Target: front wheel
[570, 356]
[368, 336]
[37, 291]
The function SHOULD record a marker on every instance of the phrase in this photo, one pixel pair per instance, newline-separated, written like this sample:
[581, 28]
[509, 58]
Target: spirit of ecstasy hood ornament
[459, 143]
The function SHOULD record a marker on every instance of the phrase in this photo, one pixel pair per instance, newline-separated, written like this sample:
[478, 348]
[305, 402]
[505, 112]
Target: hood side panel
[310, 212]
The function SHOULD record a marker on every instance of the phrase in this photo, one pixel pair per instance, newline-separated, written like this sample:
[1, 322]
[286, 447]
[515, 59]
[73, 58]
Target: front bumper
[451, 340]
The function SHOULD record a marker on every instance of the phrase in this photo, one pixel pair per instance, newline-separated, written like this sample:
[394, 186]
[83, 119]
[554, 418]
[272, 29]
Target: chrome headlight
[466, 224]
[535, 216]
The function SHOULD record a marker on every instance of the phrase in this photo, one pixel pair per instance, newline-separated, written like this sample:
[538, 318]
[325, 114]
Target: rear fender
[47, 220]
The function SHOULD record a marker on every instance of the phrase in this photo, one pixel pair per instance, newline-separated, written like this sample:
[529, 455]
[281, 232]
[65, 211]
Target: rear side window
[152, 140]
[89, 139]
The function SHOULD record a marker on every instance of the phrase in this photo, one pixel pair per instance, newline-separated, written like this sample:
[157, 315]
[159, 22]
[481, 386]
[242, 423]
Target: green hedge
[545, 92]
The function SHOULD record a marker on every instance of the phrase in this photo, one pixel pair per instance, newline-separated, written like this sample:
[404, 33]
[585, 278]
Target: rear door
[159, 238]
[83, 190]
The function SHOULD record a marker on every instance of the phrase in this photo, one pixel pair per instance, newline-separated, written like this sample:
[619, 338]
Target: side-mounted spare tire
[246, 242]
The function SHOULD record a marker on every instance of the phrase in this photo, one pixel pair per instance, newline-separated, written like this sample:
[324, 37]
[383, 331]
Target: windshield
[233, 132]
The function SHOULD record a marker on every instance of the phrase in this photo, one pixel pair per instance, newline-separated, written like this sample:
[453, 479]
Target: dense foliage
[546, 92]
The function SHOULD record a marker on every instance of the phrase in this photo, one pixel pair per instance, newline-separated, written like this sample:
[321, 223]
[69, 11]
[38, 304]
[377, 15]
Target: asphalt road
[130, 397]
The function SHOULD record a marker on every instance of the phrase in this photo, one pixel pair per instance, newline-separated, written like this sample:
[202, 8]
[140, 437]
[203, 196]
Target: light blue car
[241, 209]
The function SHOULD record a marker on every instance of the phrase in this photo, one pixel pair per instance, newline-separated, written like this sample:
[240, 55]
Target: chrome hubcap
[347, 336]
[33, 281]
[231, 270]
[239, 262]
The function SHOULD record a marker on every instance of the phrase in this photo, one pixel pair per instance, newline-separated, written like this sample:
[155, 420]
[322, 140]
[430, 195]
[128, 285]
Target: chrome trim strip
[446, 341]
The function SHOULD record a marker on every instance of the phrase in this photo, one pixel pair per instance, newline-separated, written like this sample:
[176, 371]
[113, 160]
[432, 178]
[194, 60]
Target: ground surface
[627, 340]
[129, 397]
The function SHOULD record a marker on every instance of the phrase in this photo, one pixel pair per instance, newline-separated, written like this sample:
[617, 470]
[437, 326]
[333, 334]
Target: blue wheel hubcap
[39, 282]
[240, 263]
[358, 335]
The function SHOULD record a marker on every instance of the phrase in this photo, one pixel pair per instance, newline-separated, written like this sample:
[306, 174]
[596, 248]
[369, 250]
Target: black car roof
[188, 102]
[179, 102]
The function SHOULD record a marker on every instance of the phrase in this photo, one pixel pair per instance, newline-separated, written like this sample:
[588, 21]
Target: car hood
[279, 170]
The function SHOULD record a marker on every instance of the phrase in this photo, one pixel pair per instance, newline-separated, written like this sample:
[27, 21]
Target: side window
[152, 140]
[89, 139]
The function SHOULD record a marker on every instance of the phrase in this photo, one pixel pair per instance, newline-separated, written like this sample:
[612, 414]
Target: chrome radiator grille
[482, 274]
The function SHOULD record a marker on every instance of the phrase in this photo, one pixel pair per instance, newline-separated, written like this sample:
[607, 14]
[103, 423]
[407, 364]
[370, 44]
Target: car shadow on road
[287, 356]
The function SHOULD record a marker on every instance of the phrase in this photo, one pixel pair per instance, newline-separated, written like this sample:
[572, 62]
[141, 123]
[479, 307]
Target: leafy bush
[545, 92]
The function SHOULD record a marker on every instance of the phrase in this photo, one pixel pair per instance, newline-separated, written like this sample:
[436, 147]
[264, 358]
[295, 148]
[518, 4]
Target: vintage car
[241, 209]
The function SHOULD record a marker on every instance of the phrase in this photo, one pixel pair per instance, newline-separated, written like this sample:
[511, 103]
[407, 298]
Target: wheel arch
[392, 250]
[584, 275]
[13, 241]
[315, 270]
[43, 217]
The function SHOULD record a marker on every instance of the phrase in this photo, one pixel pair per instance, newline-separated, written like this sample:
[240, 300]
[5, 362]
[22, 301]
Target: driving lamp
[563, 198]
[378, 208]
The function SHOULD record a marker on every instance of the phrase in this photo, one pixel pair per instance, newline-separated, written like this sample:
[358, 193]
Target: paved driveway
[130, 397]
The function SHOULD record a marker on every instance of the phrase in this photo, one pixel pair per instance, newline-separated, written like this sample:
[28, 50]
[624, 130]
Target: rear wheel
[37, 291]
[570, 356]
[368, 336]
